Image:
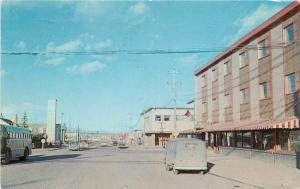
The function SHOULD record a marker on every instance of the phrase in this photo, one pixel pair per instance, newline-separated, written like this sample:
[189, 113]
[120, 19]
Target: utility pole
[174, 99]
[78, 139]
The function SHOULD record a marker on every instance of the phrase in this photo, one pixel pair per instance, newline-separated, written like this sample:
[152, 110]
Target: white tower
[51, 122]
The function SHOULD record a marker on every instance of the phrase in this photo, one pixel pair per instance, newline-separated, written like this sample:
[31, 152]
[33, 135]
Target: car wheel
[26, 153]
[7, 158]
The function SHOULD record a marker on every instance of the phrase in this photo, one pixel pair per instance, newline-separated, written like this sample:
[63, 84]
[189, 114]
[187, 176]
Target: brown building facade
[248, 96]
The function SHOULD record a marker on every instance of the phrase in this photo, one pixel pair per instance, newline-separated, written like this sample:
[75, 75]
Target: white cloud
[86, 68]
[138, 8]
[65, 47]
[85, 41]
[259, 15]
[55, 61]
[252, 20]
[190, 59]
[20, 45]
[91, 10]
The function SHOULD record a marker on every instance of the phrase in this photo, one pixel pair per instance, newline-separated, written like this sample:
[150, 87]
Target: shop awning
[273, 124]
[292, 123]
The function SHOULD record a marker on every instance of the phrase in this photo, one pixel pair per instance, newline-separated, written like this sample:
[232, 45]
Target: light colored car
[74, 146]
[186, 154]
[122, 145]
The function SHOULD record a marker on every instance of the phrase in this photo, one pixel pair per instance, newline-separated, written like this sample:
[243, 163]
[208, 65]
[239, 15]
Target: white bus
[15, 142]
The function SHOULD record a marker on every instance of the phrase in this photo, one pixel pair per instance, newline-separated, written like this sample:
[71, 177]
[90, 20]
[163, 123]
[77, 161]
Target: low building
[248, 95]
[160, 125]
[38, 128]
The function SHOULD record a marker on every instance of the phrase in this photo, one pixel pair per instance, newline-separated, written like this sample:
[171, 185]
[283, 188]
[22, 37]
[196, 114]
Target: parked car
[122, 145]
[186, 154]
[74, 146]
[115, 143]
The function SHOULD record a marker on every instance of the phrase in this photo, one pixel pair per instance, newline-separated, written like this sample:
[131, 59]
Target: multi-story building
[248, 95]
[159, 124]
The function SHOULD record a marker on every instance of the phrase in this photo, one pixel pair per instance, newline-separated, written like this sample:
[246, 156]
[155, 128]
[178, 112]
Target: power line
[145, 52]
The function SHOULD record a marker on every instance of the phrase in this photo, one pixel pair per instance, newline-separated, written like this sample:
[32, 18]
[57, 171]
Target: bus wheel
[7, 158]
[176, 171]
[26, 153]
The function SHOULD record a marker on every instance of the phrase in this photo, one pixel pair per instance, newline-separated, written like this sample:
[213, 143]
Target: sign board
[43, 141]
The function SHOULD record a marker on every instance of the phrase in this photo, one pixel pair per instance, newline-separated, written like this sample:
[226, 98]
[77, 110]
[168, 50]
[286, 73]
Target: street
[110, 167]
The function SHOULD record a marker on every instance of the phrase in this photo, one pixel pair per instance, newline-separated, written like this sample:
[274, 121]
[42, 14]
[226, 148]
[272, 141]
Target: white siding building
[159, 124]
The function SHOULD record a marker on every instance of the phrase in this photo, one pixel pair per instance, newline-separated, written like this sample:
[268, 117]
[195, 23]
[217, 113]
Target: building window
[262, 49]
[215, 104]
[239, 139]
[226, 68]
[290, 83]
[242, 59]
[289, 33]
[166, 118]
[247, 140]
[227, 101]
[263, 90]
[203, 80]
[157, 117]
[214, 75]
[244, 96]
[204, 107]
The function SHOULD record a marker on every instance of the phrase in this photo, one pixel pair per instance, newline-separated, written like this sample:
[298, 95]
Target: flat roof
[169, 108]
[265, 26]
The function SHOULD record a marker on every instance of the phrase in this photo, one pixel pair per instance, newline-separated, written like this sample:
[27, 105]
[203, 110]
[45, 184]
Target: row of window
[262, 140]
[262, 51]
[264, 88]
[19, 135]
[159, 117]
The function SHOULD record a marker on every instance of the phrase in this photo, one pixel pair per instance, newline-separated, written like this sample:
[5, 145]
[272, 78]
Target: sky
[108, 92]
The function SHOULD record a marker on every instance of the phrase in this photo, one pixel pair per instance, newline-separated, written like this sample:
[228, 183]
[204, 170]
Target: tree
[25, 120]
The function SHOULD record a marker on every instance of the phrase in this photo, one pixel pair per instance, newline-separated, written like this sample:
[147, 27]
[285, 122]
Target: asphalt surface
[111, 168]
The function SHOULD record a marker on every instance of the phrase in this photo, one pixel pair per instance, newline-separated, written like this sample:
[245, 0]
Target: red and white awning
[292, 123]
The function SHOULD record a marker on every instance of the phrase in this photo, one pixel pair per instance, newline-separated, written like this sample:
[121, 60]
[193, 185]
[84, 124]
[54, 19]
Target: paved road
[107, 167]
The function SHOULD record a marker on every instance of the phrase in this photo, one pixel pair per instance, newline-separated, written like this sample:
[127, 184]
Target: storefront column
[209, 138]
[253, 141]
[289, 145]
[215, 139]
[235, 139]
[219, 139]
[276, 140]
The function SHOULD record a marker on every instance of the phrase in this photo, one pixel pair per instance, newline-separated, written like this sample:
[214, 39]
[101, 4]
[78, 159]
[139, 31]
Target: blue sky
[108, 92]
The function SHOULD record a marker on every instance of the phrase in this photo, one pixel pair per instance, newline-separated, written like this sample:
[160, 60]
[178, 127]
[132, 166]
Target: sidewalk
[253, 172]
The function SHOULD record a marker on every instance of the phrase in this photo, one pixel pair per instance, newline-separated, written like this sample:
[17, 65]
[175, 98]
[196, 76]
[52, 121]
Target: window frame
[168, 117]
[214, 74]
[286, 33]
[264, 48]
[203, 80]
[287, 91]
[214, 104]
[227, 70]
[242, 99]
[244, 59]
[204, 107]
[227, 104]
[156, 117]
[261, 91]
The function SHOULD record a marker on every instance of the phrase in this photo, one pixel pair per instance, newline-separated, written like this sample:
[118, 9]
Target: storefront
[276, 135]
